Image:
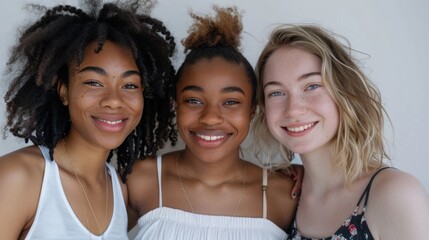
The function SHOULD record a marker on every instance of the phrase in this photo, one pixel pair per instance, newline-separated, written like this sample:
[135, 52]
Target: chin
[110, 145]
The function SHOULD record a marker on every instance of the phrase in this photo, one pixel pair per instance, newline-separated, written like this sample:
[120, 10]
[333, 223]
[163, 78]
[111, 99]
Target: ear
[63, 92]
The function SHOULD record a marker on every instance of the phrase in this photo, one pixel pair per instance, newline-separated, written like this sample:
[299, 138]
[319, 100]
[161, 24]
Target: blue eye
[313, 87]
[275, 93]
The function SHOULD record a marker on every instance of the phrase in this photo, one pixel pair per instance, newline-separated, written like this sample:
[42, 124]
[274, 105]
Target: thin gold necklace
[186, 195]
[86, 195]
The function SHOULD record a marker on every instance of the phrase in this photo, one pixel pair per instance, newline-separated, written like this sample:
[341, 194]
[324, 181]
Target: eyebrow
[307, 75]
[193, 88]
[224, 90]
[233, 89]
[302, 77]
[102, 72]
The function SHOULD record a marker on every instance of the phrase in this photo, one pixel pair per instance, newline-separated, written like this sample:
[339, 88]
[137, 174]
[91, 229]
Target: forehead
[111, 54]
[291, 62]
[214, 74]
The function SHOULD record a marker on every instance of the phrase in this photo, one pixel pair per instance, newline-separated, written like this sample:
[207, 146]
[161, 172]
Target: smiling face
[300, 112]
[104, 96]
[214, 108]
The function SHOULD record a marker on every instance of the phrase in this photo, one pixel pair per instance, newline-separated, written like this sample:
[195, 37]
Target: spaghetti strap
[368, 187]
[159, 170]
[264, 192]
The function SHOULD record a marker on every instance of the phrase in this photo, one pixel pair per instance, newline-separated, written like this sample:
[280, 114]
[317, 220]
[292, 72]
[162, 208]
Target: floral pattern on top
[354, 228]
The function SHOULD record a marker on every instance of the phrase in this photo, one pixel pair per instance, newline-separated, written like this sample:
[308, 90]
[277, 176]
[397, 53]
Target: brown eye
[131, 86]
[231, 102]
[93, 83]
[193, 101]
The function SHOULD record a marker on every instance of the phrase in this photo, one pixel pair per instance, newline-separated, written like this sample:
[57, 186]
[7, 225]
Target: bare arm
[20, 185]
[398, 207]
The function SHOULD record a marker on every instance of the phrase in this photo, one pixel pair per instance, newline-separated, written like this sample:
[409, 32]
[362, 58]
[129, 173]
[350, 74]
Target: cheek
[312, 100]
[272, 111]
[241, 119]
[79, 95]
[134, 101]
[78, 102]
[334, 114]
[330, 109]
[181, 116]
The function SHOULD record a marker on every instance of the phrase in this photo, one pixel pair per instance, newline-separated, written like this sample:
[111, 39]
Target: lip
[210, 138]
[110, 123]
[299, 129]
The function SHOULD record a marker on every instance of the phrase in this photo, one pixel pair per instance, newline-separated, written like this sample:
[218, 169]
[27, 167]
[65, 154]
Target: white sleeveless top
[169, 223]
[55, 218]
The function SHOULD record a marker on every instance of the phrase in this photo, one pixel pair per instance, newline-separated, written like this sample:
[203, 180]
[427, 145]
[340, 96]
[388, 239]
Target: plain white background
[391, 37]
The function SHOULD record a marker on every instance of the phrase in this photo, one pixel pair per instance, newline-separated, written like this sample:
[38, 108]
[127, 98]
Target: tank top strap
[45, 152]
[159, 170]
[264, 192]
[368, 187]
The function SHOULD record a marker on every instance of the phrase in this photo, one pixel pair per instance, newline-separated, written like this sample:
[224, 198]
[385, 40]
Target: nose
[111, 99]
[295, 106]
[211, 115]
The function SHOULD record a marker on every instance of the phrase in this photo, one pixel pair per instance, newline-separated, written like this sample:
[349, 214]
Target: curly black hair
[217, 36]
[39, 63]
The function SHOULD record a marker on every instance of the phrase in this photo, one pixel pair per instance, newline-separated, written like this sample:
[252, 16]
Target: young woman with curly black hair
[79, 81]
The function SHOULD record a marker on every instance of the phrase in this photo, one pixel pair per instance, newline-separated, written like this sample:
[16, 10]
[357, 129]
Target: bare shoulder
[396, 187]
[141, 168]
[282, 205]
[398, 206]
[142, 184]
[280, 186]
[22, 169]
[141, 177]
[21, 165]
[280, 179]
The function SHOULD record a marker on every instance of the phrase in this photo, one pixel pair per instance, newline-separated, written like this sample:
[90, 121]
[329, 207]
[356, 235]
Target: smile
[209, 138]
[300, 128]
[110, 122]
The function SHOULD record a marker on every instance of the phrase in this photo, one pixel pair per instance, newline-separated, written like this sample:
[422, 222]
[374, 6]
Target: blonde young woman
[315, 101]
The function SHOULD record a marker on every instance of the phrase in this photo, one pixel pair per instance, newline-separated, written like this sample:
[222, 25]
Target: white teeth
[300, 128]
[110, 122]
[209, 138]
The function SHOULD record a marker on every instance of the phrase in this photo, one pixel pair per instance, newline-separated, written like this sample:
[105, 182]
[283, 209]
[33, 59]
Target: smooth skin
[105, 101]
[302, 116]
[214, 109]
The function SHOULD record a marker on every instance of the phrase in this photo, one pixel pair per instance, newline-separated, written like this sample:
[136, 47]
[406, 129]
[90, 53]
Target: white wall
[393, 35]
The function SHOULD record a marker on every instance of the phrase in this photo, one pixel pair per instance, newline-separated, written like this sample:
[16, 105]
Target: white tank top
[55, 218]
[164, 223]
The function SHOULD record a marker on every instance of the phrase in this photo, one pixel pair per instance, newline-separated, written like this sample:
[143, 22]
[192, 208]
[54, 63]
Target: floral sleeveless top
[353, 228]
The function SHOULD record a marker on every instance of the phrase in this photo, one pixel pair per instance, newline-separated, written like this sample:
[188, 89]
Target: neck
[320, 175]
[87, 162]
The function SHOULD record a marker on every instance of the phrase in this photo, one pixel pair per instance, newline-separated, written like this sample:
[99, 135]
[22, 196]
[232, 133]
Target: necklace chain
[186, 195]
[86, 195]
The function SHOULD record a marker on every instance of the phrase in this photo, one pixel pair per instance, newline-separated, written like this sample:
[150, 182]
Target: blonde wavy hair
[359, 144]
